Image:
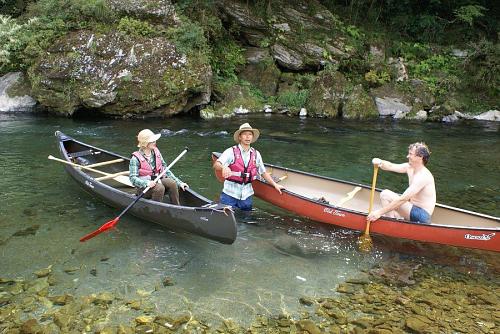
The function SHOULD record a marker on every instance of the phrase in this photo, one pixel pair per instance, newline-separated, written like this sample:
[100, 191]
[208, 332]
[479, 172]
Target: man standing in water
[240, 165]
[419, 199]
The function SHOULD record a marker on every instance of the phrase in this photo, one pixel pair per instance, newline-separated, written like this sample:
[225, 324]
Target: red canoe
[345, 204]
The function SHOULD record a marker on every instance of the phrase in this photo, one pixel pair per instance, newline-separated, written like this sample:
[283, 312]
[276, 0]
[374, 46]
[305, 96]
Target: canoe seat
[82, 153]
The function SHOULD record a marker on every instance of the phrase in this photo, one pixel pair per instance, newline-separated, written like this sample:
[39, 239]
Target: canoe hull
[207, 219]
[468, 233]
[485, 239]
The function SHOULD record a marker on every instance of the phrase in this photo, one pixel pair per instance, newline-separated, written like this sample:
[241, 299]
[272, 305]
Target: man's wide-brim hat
[147, 136]
[246, 127]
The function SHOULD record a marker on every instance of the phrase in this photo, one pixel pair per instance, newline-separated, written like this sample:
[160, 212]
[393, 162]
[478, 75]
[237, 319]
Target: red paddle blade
[109, 225]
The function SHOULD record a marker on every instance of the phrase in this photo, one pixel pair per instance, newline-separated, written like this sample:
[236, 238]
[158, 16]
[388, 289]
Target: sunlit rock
[388, 106]
[491, 115]
[14, 93]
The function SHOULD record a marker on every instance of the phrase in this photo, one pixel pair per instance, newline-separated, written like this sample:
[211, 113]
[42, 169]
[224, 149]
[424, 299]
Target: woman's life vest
[247, 173]
[145, 168]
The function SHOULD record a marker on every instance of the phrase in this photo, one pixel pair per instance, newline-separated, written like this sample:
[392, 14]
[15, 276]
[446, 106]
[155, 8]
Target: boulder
[119, 75]
[491, 115]
[154, 10]
[389, 106]
[15, 93]
[261, 71]
[359, 105]
[327, 94]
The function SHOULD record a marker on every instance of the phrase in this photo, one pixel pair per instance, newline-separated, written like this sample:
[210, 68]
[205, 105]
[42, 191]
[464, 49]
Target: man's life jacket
[145, 168]
[248, 173]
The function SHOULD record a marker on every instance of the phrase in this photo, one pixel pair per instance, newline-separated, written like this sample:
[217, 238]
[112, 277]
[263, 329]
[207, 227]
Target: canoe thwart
[104, 163]
[111, 176]
[349, 196]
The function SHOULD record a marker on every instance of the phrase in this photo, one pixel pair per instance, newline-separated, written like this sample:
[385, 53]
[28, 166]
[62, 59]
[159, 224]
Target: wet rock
[62, 299]
[144, 329]
[168, 281]
[43, 272]
[104, 298]
[27, 231]
[416, 325]
[71, 270]
[306, 301]
[346, 288]
[31, 326]
[124, 330]
[15, 93]
[39, 286]
[309, 326]
[142, 320]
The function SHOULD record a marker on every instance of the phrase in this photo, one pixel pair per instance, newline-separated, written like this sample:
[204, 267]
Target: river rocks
[120, 75]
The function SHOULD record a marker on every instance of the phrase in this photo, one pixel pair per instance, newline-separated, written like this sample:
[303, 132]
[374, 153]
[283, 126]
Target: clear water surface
[276, 258]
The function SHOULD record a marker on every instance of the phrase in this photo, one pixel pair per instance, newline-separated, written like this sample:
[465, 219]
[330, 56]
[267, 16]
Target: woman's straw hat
[147, 136]
[246, 127]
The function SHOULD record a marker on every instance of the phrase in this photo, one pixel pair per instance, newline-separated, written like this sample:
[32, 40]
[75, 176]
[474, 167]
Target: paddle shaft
[155, 181]
[78, 166]
[372, 195]
[113, 222]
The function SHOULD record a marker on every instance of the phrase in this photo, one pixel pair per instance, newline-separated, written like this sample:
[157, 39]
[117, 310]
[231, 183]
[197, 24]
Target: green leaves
[470, 13]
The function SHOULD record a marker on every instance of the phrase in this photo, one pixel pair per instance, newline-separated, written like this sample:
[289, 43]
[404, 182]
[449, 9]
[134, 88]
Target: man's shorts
[419, 215]
[245, 205]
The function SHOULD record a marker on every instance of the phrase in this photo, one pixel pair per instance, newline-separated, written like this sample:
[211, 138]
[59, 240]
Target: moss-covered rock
[118, 74]
[231, 97]
[359, 105]
[261, 71]
[327, 94]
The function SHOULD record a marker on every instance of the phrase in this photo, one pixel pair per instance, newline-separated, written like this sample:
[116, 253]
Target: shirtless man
[419, 199]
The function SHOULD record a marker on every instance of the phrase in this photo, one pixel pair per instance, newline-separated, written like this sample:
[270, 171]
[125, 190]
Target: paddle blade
[365, 243]
[103, 228]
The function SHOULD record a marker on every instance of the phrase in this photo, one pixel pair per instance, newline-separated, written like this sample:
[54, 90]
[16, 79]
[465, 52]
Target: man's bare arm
[411, 191]
[391, 167]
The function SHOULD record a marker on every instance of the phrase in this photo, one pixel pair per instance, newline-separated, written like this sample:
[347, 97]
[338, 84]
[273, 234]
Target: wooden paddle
[116, 176]
[365, 241]
[110, 224]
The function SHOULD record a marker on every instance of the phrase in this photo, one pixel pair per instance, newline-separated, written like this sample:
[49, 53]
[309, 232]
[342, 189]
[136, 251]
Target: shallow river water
[277, 257]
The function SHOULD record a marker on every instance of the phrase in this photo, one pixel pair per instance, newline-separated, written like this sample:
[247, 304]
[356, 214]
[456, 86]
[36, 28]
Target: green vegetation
[451, 46]
[135, 27]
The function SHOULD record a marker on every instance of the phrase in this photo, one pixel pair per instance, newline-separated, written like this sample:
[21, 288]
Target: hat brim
[256, 134]
[150, 140]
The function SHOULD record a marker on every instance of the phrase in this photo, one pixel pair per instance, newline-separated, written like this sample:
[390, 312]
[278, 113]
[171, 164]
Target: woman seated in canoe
[146, 164]
[419, 199]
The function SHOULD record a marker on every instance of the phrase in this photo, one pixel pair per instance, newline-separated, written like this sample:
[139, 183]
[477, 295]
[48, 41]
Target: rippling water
[277, 257]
